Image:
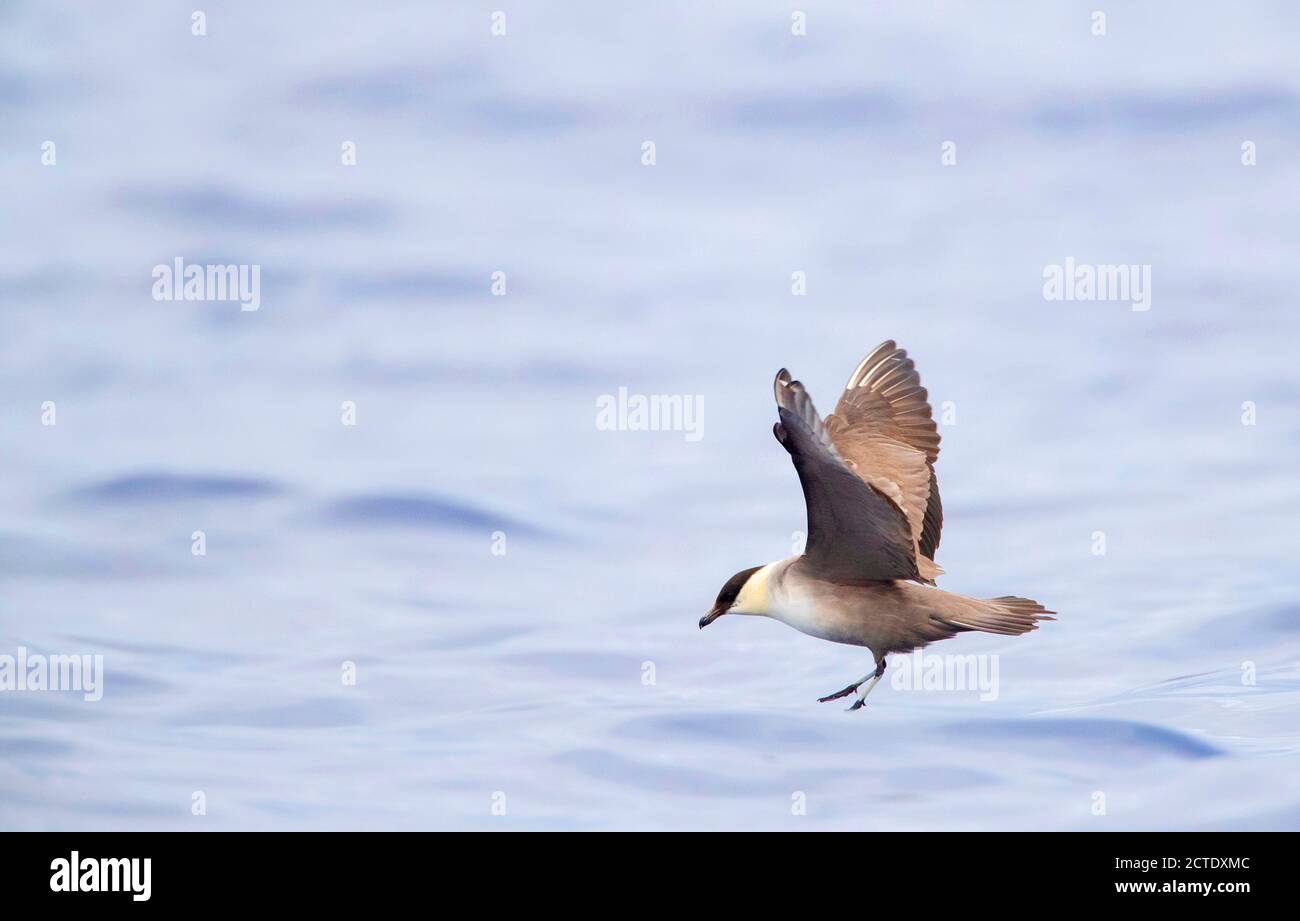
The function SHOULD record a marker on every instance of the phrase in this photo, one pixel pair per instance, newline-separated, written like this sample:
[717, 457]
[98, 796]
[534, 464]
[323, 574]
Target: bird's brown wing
[884, 430]
[855, 533]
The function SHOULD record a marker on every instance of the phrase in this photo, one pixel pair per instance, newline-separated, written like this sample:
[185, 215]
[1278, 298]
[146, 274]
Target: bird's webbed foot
[838, 694]
[870, 681]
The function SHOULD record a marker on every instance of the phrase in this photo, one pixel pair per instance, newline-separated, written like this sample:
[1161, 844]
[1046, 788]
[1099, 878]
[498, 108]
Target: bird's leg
[875, 679]
[880, 670]
[844, 693]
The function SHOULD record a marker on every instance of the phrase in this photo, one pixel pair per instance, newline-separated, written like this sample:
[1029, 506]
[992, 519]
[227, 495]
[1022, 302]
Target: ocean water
[562, 683]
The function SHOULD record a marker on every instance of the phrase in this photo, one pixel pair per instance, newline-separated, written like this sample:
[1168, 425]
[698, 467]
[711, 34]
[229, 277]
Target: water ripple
[173, 487]
[414, 511]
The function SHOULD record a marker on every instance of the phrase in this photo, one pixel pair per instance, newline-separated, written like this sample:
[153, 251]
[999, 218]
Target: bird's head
[744, 593]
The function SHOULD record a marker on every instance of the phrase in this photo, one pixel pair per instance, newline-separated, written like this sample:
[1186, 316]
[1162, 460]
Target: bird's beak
[718, 611]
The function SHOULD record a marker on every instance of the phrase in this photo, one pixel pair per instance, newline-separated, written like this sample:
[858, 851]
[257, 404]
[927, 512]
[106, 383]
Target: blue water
[524, 674]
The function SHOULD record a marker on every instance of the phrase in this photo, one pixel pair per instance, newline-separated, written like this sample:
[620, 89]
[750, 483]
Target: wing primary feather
[884, 348]
[884, 429]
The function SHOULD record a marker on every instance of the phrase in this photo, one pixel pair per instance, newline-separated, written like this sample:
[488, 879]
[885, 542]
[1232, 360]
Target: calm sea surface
[564, 680]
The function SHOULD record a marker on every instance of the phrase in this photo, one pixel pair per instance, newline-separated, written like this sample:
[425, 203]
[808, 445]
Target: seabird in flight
[874, 517]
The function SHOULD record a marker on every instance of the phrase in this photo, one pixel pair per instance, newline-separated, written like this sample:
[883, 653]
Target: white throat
[760, 594]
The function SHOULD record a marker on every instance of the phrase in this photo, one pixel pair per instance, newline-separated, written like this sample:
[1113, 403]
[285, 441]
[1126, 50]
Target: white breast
[790, 605]
[792, 602]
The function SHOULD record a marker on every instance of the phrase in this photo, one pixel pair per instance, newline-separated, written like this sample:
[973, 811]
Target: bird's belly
[821, 621]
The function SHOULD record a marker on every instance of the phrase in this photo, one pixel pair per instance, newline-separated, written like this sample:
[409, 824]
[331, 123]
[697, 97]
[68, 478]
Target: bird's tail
[1006, 615]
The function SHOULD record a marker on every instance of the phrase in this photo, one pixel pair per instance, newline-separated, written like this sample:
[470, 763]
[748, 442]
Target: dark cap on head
[727, 597]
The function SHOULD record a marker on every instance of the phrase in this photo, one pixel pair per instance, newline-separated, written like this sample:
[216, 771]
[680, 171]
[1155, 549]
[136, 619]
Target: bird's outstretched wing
[855, 533]
[884, 430]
